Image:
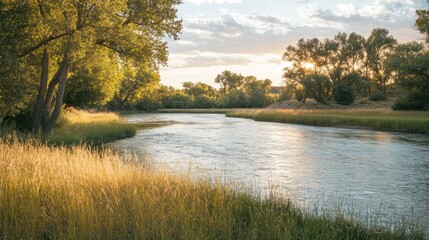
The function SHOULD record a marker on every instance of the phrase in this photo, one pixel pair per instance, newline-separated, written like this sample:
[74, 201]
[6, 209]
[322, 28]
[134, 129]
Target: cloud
[206, 59]
[233, 33]
[200, 2]
[396, 15]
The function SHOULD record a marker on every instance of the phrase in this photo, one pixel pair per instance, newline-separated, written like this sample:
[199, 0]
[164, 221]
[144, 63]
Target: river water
[381, 172]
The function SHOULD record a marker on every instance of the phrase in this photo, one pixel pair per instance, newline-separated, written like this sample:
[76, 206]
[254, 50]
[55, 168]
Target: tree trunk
[46, 111]
[62, 79]
[38, 111]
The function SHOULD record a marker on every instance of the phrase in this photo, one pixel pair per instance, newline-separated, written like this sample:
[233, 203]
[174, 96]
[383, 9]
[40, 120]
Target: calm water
[388, 172]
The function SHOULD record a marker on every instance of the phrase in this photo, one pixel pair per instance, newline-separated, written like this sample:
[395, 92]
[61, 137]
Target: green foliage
[138, 80]
[236, 99]
[68, 34]
[16, 75]
[379, 46]
[258, 91]
[93, 83]
[148, 103]
[378, 95]
[411, 63]
[300, 95]
[344, 95]
[422, 22]
[319, 67]
[413, 101]
[177, 100]
[229, 81]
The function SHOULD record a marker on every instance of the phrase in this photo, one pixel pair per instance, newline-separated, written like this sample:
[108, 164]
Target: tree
[16, 87]
[379, 46]
[410, 62]
[64, 31]
[318, 66]
[137, 79]
[204, 95]
[257, 91]
[93, 83]
[229, 81]
[422, 22]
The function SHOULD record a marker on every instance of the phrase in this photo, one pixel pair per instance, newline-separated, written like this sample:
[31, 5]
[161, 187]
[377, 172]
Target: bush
[344, 95]
[204, 102]
[236, 99]
[300, 95]
[178, 100]
[377, 96]
[148, 104]
[414, 101]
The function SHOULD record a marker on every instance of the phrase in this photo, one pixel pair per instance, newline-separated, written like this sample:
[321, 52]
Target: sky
[250, 36]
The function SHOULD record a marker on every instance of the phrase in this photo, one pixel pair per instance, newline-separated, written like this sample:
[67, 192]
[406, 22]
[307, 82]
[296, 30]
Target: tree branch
[41, 44]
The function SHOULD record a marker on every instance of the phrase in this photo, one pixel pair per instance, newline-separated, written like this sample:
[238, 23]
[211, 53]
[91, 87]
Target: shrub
[148, 104]
[414, 101]
[344, 95]
[300, 95]
[377, 96]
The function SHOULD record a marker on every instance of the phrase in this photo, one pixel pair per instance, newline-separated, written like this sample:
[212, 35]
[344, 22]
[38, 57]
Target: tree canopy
[63, 33]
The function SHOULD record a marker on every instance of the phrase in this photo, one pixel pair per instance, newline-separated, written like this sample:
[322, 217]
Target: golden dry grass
[76, 193]
[78, 126]
[377, 119]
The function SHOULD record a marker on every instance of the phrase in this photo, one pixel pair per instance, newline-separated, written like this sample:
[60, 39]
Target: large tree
[136, 80]
[410, 62]
[15, 75]
[229, 81]
[62, 32]
[319, 67]
[379, 47]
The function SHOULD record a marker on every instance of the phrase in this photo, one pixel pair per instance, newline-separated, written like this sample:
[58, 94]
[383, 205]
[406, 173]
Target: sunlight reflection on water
[367, 169]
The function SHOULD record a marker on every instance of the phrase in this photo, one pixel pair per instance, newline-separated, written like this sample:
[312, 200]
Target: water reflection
[368, 168]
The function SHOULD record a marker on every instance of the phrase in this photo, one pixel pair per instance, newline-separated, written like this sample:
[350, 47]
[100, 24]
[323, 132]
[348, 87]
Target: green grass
[385, 120]
[76, 127]
[76, 193]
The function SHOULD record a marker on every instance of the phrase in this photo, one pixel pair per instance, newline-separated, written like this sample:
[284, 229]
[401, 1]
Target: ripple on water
[388, 172]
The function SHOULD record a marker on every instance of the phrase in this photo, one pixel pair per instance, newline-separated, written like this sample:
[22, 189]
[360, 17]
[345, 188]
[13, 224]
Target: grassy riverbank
[75, 193]
[377, 119]
[77, 126]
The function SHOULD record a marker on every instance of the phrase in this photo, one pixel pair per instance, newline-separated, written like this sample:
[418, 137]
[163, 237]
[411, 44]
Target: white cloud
[199, 2]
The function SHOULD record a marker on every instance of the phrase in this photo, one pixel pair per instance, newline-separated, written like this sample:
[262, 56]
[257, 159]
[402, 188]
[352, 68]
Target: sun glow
[308, 65]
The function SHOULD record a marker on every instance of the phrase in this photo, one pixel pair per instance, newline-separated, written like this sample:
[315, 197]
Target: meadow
[375, 119]
[83, 127]
[53, 191]
[77, 193]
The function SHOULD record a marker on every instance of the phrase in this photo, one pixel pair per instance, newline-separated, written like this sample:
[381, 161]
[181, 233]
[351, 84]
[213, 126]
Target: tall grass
[414, 122]
[75, 193]
[77, 126]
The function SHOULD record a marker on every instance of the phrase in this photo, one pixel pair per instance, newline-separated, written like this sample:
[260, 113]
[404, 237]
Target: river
[384, 173]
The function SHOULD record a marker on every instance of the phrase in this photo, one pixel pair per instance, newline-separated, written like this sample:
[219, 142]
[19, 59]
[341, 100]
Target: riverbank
[77, 193]
[375, 119]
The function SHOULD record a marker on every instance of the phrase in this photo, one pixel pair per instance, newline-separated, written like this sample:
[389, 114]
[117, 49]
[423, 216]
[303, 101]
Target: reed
[377, 119]
[76, 193]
